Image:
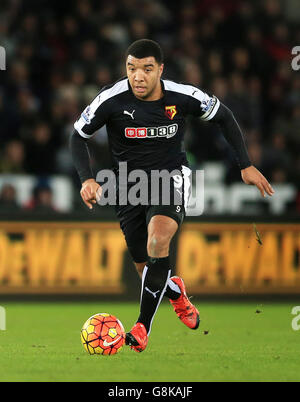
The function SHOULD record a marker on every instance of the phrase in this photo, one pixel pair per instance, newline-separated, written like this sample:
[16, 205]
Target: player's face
[144, 77]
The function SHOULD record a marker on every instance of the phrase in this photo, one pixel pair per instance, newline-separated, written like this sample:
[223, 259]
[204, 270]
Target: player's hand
[90, 192]
[252, 176]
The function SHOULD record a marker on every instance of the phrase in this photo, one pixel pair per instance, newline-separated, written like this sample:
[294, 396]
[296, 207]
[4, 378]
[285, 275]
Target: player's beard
[147, 94]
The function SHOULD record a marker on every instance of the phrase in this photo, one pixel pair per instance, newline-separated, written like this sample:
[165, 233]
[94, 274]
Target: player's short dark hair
[145, 48]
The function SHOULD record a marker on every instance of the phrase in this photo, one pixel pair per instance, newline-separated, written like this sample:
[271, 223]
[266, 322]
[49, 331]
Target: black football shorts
[134, 219]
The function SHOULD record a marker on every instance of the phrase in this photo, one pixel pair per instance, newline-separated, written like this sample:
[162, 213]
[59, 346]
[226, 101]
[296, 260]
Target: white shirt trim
[208, 104]
[89, 112]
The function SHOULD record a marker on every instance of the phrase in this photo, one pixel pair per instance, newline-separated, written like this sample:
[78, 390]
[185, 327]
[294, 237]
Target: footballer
[145, 117]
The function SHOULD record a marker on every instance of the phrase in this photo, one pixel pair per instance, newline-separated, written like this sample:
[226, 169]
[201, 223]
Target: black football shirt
[147, 135]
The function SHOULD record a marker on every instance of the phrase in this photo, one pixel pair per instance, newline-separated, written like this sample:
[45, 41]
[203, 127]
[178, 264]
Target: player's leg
[155, 276]
[172, 291]
[140, 268]
[133, 225]
[157, 272]
[161, 229]
[180, 191]
[134, 228]
[163, 222]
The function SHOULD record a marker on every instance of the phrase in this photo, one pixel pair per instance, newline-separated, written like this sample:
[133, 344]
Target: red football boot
[185, 310]
[137, 338]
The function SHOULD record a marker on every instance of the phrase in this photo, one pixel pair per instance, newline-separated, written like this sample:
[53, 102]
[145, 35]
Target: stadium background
[59, 54]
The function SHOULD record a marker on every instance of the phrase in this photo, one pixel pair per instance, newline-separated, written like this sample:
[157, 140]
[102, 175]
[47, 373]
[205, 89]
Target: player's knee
[158, 244]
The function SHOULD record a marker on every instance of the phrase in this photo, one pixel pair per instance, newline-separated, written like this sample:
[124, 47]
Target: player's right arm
[92, 118]
[90, 190]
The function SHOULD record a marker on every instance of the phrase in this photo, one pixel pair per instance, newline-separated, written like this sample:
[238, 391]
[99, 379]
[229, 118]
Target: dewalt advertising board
[85, 257]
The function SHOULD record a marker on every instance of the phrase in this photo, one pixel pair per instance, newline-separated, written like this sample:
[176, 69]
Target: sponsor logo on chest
[151, 132]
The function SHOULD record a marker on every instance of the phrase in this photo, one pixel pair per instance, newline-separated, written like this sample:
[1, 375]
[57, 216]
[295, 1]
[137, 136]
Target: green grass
[42, 343]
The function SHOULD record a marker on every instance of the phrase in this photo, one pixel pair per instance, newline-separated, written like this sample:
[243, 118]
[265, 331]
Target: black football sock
[155, 277]
[172, 290]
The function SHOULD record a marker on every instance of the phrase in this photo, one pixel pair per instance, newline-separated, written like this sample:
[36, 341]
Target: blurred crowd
[61, 53]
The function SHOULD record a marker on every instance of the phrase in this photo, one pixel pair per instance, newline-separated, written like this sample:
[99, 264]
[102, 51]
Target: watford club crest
[170, 111]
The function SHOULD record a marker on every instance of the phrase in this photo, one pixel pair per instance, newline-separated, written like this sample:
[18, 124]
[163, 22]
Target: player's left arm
[209, 108]
[233, 134]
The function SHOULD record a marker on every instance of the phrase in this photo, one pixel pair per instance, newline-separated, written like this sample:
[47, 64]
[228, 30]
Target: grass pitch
[235, 342]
